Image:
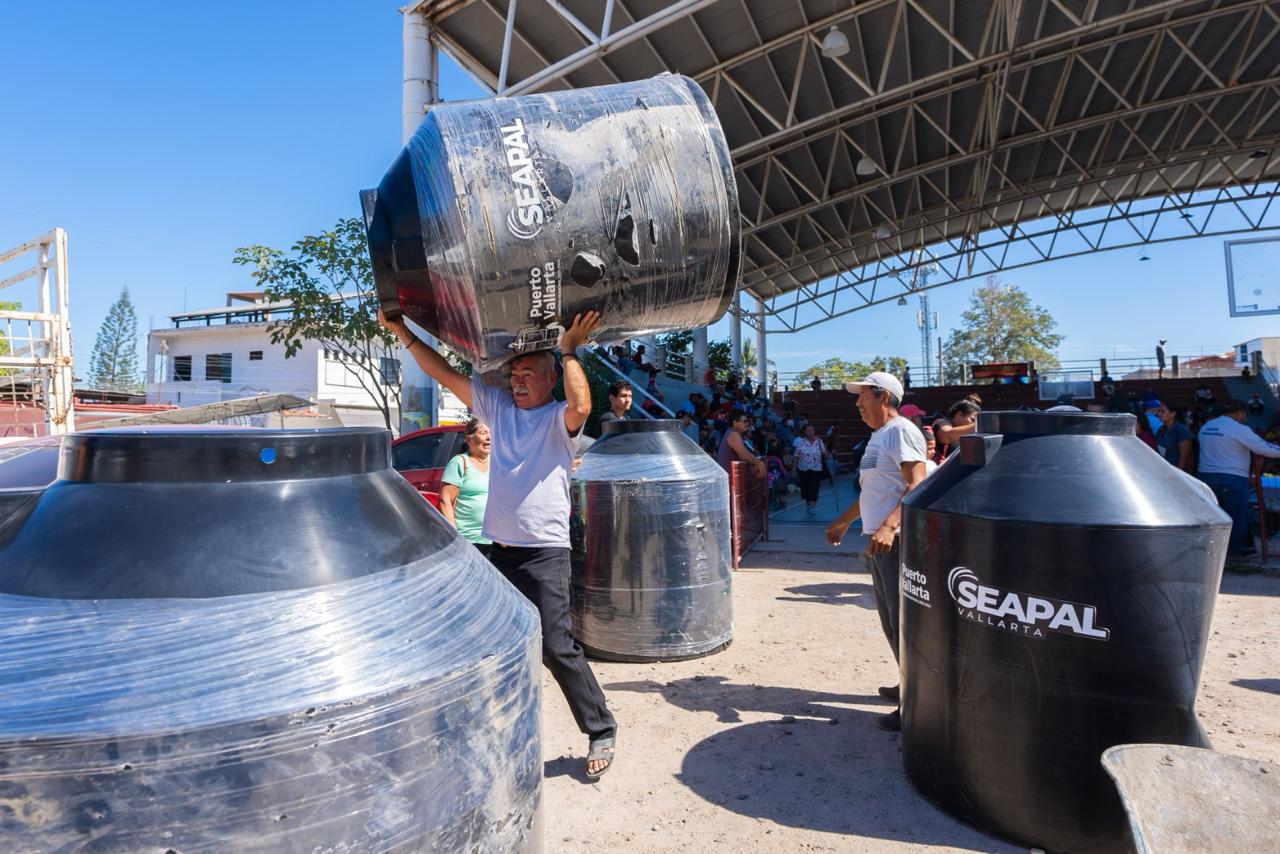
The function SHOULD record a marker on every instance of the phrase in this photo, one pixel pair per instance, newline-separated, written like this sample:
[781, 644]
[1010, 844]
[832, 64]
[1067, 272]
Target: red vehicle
[420, 457]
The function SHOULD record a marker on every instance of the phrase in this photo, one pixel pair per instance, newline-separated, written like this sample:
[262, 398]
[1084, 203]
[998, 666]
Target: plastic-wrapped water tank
[1058, 581]
[257, 641]
[650, 536]
[503, 218]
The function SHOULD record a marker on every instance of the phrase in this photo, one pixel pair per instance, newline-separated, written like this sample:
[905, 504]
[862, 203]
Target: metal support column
[762, 352]
[419, 395]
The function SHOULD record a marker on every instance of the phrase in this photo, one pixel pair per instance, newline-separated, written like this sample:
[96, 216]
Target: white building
[1268, 350]
[226, 354]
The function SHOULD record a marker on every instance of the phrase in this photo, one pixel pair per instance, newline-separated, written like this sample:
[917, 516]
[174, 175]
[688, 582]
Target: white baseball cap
[877, 379]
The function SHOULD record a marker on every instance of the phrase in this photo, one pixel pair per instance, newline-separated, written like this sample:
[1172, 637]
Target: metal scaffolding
[36, 352]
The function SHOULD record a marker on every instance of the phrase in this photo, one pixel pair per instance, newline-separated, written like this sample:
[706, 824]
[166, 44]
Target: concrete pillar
[699, 353]
[419, 396]
[762, 353]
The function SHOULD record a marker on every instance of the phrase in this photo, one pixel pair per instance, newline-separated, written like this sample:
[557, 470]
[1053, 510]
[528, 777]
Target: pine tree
[115, 351]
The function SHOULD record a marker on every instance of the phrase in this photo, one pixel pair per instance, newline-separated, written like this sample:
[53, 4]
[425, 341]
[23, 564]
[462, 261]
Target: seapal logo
[526, 219]
[1019, 613]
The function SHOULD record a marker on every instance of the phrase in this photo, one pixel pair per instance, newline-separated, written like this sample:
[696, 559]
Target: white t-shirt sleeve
[905, 444]
[562, 430]
[1252, 440]
[485, 400]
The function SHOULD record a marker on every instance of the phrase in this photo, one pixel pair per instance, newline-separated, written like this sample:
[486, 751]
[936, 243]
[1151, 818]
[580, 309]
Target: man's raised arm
[436, 366]
[577, 391]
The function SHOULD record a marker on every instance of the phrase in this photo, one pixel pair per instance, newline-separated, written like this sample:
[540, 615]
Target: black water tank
[1058, 580]
[255, 640]
[650, 536]
[503, 218]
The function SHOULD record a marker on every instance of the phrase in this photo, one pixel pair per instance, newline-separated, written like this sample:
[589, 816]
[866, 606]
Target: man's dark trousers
[1232, 492]
[886, 576]
[542, 575]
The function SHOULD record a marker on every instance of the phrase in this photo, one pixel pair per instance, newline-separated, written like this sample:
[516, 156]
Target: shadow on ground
[1268, 686]
[862, 595]
[566, 766]
[1256, 583]
[727, 700]
[818, 765]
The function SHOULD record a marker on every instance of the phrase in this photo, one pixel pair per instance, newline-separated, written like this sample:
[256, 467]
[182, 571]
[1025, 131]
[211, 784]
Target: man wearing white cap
[892, 465]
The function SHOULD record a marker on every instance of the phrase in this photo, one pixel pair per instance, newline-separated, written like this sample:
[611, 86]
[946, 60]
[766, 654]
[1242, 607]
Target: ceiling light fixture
[834, 44]
[866, 166]
[881, 232]
[1144, 257]
[902, 300]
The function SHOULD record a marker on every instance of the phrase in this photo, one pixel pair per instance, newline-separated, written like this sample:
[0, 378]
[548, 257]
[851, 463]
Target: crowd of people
[1208, 439]
[734, 420]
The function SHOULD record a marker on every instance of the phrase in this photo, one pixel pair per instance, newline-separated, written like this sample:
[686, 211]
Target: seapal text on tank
[1019, 613]
[526, 219]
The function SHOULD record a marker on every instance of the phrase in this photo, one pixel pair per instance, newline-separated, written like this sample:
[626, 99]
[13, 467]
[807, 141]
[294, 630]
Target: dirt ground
[772, 745]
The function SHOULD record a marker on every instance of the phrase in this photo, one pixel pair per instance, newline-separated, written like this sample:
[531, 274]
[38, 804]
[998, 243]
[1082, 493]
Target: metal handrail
[602, 356]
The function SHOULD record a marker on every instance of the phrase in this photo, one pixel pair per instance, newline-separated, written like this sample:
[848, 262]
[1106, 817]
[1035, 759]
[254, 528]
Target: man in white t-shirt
[527, 516]
[1225, 445]
[892, 465]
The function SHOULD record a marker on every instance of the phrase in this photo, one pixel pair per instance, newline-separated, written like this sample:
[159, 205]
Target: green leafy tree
[836, 372]
[4, 342]
[1002, 325]
[720, 355]
[677, 343]
[328, 280]
[114, 364]
[749, 359]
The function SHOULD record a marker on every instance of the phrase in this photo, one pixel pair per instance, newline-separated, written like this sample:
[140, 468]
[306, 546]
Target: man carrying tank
[533, 440]
[892, 466]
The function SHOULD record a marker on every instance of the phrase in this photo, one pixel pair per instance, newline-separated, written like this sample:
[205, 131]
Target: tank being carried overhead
[254, 640]
[1058, 581]
[503, 218]
[650, 537]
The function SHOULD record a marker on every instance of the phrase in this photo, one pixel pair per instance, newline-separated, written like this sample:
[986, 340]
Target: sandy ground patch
[772, 745]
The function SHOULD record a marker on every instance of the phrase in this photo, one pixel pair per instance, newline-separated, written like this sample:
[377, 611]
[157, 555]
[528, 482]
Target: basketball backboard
[1253, 276]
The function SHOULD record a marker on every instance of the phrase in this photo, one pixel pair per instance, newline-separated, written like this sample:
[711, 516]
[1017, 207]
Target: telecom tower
[926, 320]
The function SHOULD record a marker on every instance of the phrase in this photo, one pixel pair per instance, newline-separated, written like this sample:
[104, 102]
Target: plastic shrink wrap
[505, 217]
[257, 641]
[650, 536]
[1058, 580]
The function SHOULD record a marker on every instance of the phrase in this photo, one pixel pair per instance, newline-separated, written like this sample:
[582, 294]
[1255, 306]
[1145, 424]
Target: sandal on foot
[601, 748]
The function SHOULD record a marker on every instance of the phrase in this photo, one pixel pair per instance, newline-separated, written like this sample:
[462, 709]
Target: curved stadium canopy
[975, 122]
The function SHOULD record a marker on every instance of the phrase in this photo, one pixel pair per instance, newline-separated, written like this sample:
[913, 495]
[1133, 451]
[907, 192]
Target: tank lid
[640, 425]
[1030, 423]
[173, 454]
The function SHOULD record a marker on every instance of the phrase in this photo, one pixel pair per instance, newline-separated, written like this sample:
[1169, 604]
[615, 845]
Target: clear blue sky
[163, 138]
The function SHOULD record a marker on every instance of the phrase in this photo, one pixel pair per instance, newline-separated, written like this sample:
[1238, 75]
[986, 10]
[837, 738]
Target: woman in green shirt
[464, 488]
